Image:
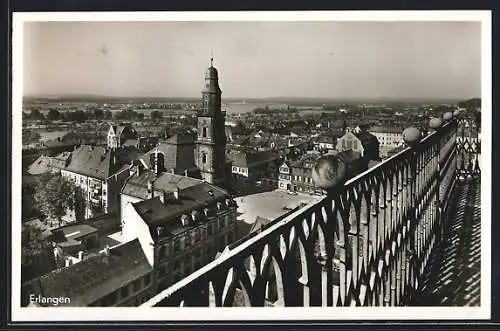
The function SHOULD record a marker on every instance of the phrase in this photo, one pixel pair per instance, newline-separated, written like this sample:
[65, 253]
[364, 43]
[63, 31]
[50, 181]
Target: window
[210, 230]
[136, 285]
[124, 292]
[177, 245]
[204, 157]
[147, 279]
[204, 132]
[177, 264]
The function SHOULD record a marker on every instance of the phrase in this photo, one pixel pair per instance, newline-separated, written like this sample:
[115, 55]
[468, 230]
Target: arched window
[204, 132]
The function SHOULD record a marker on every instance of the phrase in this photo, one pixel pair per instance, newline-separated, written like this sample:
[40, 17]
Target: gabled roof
[248, 160]
[39, 166]
[181, 139]
[93, 278]
[118, 129]
[99, 162]
[178, 153]
[366, 137]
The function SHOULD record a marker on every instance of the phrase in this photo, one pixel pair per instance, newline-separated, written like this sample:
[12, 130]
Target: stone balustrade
[365, 243]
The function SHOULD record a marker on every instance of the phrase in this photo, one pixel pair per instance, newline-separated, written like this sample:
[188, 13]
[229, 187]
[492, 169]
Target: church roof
[178, 154]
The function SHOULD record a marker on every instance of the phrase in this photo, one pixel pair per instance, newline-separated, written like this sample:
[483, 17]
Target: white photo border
[189, 314]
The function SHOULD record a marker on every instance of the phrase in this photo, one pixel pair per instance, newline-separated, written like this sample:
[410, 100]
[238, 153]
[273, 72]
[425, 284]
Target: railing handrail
[276, 229]
[236, 250]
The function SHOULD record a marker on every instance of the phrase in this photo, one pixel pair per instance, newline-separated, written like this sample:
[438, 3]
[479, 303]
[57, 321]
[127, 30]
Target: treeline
[92, 114]
[268, 110]
[470, 104]
[77, 115]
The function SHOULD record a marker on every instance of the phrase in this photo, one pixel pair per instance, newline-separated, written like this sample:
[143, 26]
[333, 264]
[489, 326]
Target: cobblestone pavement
[453, 276]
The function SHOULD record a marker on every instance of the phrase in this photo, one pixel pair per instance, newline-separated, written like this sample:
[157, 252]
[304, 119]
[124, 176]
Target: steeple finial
[211, 57]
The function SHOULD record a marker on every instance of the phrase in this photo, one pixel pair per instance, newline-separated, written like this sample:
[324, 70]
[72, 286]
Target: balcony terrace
[404, 233]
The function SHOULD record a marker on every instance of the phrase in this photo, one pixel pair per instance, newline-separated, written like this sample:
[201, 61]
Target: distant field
[45, 135]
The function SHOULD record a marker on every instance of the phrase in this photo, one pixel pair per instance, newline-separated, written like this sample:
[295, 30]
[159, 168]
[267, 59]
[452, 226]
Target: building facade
[181, 222]
[100, 173]
[389, 137]
[361, 142]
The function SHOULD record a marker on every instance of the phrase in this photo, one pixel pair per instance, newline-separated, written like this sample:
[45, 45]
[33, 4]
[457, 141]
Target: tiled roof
[39, 166]
[365, 137]
[178, 153]
[137, 186]
[93, 278]
[76, 231]
[98, 162]
[154, 212]
[327, 139]
[386, 129]
[181, 138]
[247, 160]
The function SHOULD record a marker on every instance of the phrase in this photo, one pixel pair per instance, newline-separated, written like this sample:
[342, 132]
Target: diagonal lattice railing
[365, 244]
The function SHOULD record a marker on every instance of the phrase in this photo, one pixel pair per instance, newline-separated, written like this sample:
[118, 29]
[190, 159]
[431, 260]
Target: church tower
[210, 148]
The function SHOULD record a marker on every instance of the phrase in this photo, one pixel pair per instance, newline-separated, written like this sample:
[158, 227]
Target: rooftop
[93, 278]
[247, 160]
[386, 129]
[154, 212]
[99, 162]
[40, 166]
[137, 186]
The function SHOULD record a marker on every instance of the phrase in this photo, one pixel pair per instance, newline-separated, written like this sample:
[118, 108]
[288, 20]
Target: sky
[254, 59]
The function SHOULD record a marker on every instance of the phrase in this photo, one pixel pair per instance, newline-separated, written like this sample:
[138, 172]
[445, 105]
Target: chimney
[106, 250]
[185, 173]
[185, 220]
[138, 171]
[150, 190]
[176, 193]
[172, 171]
[80, 255]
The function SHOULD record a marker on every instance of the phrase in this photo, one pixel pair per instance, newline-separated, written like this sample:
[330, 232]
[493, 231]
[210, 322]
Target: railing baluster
[366, 242]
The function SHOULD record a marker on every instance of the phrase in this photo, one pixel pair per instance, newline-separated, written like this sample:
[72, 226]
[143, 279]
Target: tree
[53, 115]
[155, 115]
[79, 204]
[53, 196]
[35, 114]
[98, 114]
[108, 114]
[33, 242]
[30, 137]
